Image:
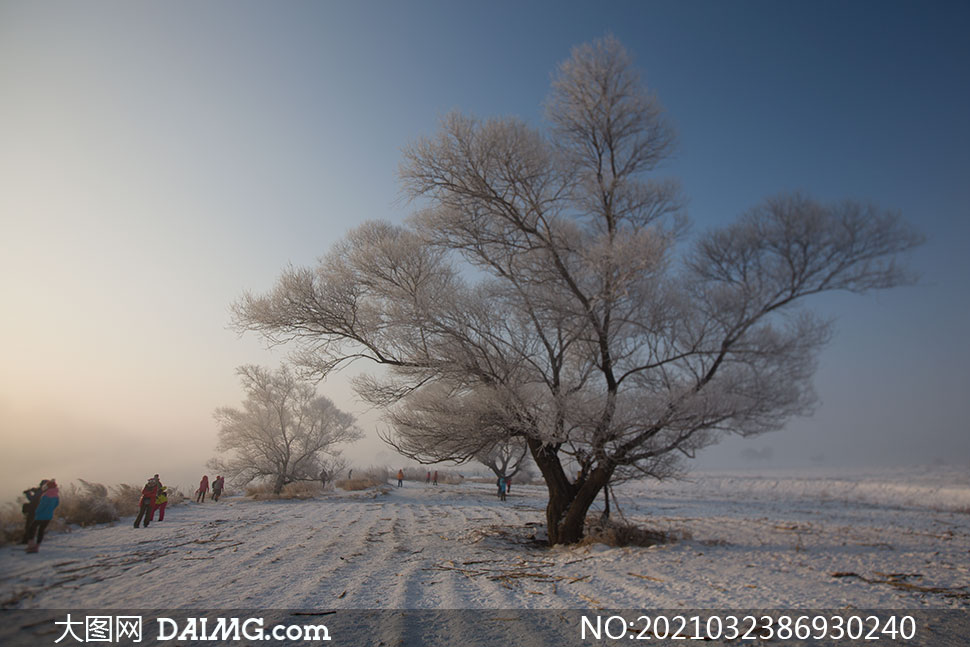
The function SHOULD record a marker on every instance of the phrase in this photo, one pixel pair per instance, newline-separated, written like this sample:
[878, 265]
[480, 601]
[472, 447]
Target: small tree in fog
[283, 433]
[546, 292]
[506, 458]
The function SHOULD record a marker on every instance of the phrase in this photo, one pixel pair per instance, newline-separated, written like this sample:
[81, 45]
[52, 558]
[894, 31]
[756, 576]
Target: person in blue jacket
[500, 482]
[49, 500]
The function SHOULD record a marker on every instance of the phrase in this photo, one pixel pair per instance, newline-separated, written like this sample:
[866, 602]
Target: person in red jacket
[203, 488]
[161, 500]
[148, 494]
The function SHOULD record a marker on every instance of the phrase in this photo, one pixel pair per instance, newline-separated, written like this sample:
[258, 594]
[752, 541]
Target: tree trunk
[278, 484]
[568, 502]
[571, 525]
[561, 491]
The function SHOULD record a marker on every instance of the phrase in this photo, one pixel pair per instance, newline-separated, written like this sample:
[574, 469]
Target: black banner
[482, 627]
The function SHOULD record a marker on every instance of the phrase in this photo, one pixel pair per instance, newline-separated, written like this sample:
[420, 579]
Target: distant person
[217, 487]
[400, 478]
[148, 495]
[203, 488]
[427, 479]
[33, 498]
[43, 514]
[508, 485]
[501, 488]
[434, 479]
[161, 500]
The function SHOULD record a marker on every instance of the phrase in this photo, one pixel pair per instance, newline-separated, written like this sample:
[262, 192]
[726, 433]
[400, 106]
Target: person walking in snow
[501, 488]
[203, 488]
[427, 479]
[161, 500]
[148, 495]
[33, 498]
[434, 479]
[217, 486]
[400, 478]
[46, 503]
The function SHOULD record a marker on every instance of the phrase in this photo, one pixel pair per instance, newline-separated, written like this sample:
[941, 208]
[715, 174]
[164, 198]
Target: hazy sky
[156, 160]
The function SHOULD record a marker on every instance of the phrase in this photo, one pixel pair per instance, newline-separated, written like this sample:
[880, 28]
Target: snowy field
[878, 540]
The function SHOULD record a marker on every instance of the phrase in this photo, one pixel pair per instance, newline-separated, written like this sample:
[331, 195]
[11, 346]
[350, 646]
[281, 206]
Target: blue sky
[160, 159]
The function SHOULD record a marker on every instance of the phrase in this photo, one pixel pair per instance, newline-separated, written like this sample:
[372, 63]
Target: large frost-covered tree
[547, 291]
[283, 433]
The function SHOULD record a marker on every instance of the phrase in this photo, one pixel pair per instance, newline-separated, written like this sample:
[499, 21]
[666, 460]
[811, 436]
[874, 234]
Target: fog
[158, 161]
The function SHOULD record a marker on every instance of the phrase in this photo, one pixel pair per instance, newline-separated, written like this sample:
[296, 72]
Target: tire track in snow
[326, 543]
[471, 576]
[319, 528]
[353, 577]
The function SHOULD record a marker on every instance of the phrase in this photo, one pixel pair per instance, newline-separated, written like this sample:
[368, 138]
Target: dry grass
[370, 477]
[622, 533]
[420, 474]
[90, 504]
[11, 523]
[126, 498]
[358, 483]
[86, 504]
[175, 496]
[301, 490]
[378, 473]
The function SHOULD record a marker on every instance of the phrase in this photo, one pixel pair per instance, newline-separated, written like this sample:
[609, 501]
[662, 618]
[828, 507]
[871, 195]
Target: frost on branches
[283, 433]
[546, 291]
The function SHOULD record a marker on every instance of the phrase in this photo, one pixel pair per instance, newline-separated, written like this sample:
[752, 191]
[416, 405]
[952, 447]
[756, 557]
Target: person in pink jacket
[203, 488]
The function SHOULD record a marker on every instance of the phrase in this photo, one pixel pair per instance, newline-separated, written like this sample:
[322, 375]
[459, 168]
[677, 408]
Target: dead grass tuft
[175, 496]
[87, 505]
[11, 523]
[622, 533]
[358, 483]
[301, 490]
[126, 497]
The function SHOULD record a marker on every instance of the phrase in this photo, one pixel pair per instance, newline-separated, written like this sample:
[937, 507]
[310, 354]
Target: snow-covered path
[458, 547]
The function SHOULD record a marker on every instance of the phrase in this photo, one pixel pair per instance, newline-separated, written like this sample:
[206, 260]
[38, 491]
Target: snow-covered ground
[887, 540]
[755, 541]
